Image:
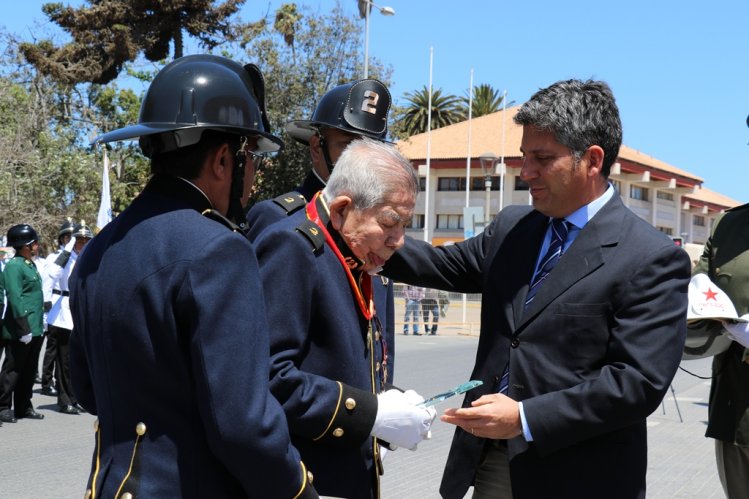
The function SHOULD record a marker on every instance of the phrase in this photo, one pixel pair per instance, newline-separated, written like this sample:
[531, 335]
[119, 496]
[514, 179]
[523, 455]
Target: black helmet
[196, 93]
[360, 107]
[67, 227]
[22, 235]
[82, 230]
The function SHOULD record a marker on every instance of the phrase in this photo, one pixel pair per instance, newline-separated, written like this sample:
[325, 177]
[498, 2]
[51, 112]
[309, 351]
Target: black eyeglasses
[257, 159]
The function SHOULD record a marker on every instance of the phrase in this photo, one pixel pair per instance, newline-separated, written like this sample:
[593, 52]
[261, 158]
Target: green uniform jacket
[23, 290]
[726, 261]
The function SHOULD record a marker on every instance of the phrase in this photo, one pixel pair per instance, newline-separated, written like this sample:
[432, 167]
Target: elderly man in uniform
[345, 113]
[167, 305]
[328, 364]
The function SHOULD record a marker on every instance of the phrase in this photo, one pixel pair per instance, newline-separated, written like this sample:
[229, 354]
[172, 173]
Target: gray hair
[580, 114]
[369, 171]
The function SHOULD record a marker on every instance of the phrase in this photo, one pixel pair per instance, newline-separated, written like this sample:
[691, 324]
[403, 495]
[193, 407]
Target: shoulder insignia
[290, 202]
[218, 217]
[312, 232]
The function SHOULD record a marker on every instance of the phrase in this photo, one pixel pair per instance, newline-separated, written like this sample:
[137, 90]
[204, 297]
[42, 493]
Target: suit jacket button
[126, 495]
[350, 404]
[338, 432]
[310, 477]
[515, 343]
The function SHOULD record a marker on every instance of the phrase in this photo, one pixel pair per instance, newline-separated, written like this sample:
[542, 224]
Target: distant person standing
[413, 296]
[430, 304]
[725, 261]
[60, 320]
[22, 327]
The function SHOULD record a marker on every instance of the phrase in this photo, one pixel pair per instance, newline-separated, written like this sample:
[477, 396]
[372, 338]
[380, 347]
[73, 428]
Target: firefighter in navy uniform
[166, 351]
[345, 113]
[327, 364]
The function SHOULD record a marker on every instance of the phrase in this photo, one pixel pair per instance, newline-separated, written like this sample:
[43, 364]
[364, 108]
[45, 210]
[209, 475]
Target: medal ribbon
[364, 295]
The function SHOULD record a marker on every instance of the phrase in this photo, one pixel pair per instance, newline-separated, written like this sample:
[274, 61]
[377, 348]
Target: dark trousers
[64, 386]
[428, 305]
[49, 367]
[17, 375]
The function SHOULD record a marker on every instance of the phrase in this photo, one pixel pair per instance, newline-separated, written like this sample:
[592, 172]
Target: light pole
[488, 160]
[385, 11]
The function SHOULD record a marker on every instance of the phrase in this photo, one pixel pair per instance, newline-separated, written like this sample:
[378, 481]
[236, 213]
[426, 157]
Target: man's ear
[220, 162]
[595, 160]
[315, 151]
[339, 208]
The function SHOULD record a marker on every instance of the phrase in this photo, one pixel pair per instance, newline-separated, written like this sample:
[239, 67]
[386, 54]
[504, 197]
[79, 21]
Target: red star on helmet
[710, 294]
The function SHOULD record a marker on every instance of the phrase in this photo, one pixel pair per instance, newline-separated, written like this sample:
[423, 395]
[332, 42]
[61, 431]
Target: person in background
[725, 260]
[430, 304]
[59, 318]
[22, 327]
[50, 368]
[345, 113]
[168, 307]
[329, 363]
[583, 317]
[413, 296]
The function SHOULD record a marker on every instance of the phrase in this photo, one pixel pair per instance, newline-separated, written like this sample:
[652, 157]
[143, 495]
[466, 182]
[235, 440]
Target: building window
[637, 192]
[520, 185]
[417, 222]
[450, 221]
[617, 186]
[698, 220]
[422, 184]
[451, 184]
[665, 195]
[666, 230]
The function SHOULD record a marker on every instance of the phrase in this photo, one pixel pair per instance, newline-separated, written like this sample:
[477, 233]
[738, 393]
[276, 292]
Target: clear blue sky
[679, 70]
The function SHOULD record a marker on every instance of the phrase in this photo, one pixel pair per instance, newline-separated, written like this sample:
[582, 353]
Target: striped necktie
[559, 231]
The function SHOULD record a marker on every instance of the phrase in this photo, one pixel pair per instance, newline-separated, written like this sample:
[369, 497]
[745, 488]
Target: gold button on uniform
[350, 404]
[310, 477]
[126, 495]
[96, 424]
[377, 366]
[140, 429]
[88, 494]
[338, 432]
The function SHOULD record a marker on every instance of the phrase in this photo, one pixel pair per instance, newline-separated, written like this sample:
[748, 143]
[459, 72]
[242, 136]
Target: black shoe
[79, 407]
[69, 409]
[405, 332]
[37, 380]
[7, 417]
[417, 334]
[49, 390]
[32, 414]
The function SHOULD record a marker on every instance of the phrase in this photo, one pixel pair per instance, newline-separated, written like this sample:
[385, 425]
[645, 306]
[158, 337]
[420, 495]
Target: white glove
[25, 339]
[71, 244]
[738, 331]
[400, 421]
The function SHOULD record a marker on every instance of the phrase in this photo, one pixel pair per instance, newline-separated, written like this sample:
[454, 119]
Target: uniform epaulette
[312, 232]
[290, 202]
[218, 217]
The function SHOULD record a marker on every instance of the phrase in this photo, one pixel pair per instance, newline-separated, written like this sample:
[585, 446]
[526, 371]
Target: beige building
[670, 198]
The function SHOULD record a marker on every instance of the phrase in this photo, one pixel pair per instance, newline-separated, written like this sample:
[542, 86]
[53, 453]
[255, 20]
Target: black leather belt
[58, 292]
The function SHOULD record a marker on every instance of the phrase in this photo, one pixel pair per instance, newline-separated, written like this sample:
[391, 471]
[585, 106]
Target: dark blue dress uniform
[326, 356]
[270, 211]
[170, 350]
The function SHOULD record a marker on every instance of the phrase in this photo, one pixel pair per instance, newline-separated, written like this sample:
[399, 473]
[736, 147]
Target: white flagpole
[105, 207]
[429, 149]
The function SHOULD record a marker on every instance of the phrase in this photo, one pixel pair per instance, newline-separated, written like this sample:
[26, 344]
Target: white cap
[708, 301]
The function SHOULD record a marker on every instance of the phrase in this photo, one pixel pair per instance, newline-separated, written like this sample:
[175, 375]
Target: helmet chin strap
[326, 154]
[236, 211]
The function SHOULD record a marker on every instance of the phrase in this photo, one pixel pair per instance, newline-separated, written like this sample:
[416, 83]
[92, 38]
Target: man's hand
[491, 416]
[400, 421]
[738, 331]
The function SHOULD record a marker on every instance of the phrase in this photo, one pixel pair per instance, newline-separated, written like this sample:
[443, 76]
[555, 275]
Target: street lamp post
[488, 160]
[385, 11]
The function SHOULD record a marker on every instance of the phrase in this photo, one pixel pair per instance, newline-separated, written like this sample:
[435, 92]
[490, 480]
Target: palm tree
[445, 111]
[486, 100]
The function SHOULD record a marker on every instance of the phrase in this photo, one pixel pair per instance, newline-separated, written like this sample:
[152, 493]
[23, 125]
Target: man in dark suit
[725, 261]
[170, 347]
[582, 319]
[345, 113]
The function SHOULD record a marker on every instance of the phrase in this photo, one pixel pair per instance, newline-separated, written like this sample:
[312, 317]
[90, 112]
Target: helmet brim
[303, 130]
[266, 142]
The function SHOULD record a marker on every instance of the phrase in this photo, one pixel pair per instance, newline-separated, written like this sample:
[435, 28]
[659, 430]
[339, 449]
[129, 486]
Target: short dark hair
[580, 114]
[187, 161]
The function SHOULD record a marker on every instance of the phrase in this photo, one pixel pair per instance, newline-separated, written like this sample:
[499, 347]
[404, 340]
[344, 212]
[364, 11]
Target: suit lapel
[585, 255]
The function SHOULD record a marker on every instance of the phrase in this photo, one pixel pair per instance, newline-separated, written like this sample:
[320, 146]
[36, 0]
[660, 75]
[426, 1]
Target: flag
[105, 208]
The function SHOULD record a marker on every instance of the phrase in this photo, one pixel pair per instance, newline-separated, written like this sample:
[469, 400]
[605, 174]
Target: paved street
[51, 458]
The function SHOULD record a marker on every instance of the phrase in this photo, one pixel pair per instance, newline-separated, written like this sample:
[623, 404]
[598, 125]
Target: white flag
[105, 208]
